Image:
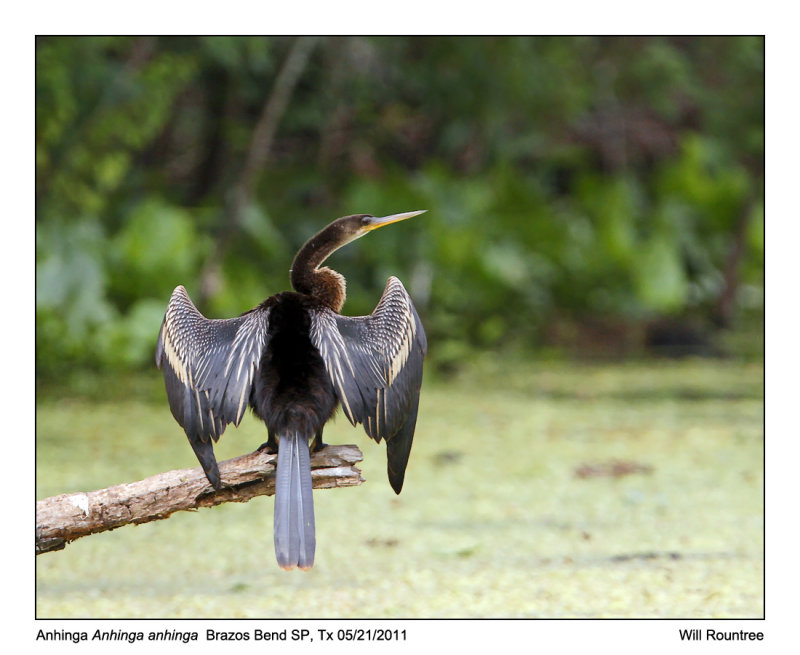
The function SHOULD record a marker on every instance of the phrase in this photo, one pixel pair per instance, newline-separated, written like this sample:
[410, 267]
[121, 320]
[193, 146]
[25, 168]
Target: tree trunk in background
[257, 156]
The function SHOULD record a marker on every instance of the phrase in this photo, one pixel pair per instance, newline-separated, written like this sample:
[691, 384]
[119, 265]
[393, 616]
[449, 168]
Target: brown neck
[324, 284]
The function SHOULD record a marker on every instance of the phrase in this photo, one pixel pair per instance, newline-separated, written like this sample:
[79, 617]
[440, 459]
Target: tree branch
[726, 303]
[64, 518]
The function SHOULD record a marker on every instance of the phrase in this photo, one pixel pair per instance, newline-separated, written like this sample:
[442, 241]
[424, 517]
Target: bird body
[292, 389]
[293, 359]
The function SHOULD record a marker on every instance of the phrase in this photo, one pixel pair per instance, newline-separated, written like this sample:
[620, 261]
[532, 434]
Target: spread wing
[208, 368]
[375, 365]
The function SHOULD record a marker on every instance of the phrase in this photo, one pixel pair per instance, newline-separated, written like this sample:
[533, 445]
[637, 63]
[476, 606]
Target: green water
[495, 519]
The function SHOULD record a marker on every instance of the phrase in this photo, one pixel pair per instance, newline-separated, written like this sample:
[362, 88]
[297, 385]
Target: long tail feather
[294, 505]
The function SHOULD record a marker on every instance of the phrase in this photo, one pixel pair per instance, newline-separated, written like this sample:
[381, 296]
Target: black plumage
[293, 360]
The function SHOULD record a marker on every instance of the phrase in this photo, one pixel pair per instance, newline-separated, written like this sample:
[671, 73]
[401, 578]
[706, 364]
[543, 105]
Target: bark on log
[64, 518]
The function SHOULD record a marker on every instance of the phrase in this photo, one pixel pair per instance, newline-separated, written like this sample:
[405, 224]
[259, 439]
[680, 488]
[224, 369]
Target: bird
[294, 359]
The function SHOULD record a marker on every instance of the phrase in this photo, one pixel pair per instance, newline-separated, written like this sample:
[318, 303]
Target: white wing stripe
[204, 354]
[365, 355]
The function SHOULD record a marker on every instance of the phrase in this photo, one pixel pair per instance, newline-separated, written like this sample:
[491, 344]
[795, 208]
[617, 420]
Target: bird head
[306, 274]
[350, 228]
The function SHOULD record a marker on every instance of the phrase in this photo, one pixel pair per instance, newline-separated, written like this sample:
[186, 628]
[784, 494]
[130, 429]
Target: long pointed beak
[375, 223]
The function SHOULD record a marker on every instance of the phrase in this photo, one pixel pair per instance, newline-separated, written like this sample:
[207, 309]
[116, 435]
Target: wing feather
[375, 365]
[208, 367]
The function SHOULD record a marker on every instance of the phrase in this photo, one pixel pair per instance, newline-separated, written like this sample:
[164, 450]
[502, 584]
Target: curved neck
[324, 284]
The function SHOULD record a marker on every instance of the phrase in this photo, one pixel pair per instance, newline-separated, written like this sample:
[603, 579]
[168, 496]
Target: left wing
[208, 367]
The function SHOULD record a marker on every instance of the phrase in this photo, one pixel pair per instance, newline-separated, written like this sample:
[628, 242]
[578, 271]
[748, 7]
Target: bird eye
[365, 220]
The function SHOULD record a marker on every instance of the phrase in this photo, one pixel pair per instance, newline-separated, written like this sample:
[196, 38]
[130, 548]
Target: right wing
[208, 368]
[375, 365]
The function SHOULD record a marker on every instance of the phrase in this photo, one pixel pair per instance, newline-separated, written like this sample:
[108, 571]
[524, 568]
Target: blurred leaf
[132, 340]
[157, 249]
[660, 280]
[258, 226]
[71, 274]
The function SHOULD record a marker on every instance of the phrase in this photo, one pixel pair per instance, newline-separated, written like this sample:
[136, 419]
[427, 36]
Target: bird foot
[272, 447]
[269, 446]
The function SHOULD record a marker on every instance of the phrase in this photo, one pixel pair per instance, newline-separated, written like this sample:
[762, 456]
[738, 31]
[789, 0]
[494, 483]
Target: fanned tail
[294, 505]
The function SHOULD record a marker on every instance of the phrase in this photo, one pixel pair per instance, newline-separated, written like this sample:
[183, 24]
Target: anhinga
[293, 359]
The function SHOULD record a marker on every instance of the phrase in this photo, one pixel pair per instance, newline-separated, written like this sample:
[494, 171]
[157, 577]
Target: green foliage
[565, 178]
[158, 244]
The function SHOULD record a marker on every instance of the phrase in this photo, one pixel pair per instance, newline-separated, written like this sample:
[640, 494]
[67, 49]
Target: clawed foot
[269, 446]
